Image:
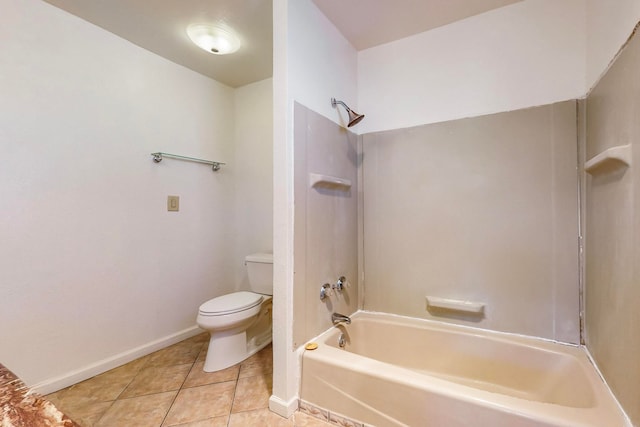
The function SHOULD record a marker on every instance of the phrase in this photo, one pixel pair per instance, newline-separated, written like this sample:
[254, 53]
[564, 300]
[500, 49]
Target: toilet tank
[260, 271]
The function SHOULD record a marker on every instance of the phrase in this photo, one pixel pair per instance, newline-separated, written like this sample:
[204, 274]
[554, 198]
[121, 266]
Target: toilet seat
[230, 303]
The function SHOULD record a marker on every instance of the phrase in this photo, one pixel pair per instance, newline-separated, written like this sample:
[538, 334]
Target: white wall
[322, 63]
[92, 263]
[312, 63]
[607, 28]
[285, 384]
[253, 173]
[526, 54]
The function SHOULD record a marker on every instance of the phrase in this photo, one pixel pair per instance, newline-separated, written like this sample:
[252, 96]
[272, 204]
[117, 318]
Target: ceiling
[368, 23]
[160, 26]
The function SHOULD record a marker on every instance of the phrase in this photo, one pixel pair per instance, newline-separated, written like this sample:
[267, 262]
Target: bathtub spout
[338, 318]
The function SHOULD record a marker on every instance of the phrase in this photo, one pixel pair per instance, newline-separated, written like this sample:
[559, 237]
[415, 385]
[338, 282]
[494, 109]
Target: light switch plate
[173, 203]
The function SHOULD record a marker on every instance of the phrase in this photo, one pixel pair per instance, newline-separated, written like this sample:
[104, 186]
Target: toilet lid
[231, 303]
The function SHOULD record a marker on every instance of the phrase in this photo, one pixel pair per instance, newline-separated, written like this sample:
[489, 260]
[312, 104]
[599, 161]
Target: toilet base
[230, 347]
[218, 360]
[225, 351]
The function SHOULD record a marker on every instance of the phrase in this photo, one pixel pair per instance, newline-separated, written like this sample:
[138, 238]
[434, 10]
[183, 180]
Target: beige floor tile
[198, 376]
[85, 415]
[55, 397]
[210, 422]
[143, 411]
[133, 366]
[84, 411]
[203, 353]
[260, 363]
[201, 403]
[145, 392]
[178, 354]
[157, 379]
[105, 387]
[300, 419]
[200, 338]
[260, 417]
[252, 393]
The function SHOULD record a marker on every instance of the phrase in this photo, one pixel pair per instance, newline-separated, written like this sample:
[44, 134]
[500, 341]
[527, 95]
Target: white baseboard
[282, 407]
[73, 377]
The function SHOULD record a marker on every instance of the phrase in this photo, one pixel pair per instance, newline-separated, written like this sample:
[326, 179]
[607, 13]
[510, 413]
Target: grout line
[103, 414]
[195, 360]
[132, 379]
[148, 365]
[235, 389]
[119, 394]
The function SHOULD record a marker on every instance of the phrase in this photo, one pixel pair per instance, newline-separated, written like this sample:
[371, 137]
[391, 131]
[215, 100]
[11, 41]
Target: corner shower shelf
[614, 157]
[319, 180]
[455, 305]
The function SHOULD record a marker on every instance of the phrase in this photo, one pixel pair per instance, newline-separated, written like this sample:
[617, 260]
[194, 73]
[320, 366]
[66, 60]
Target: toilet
[240, 322]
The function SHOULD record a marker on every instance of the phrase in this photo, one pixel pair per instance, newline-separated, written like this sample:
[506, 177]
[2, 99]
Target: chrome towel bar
[215, 166]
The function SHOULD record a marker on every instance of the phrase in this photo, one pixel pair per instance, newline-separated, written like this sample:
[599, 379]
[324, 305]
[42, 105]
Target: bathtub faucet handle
[338, 318]
[324, 291]
[340, 283]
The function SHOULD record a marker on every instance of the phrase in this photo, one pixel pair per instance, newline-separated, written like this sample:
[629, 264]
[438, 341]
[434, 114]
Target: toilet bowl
[239, 323]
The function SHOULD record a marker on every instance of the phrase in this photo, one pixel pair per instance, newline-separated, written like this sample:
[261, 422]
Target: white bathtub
[396, 371]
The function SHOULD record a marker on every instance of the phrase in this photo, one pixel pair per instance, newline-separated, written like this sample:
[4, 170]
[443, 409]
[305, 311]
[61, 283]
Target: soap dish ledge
[619, 155]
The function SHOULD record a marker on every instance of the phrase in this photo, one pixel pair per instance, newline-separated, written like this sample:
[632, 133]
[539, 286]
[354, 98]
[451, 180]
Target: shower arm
[334, 102]
[354, 118]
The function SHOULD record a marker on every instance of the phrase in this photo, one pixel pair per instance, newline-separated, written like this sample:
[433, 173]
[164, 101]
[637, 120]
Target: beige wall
[326, 221]
[481, 209]
[612, 291]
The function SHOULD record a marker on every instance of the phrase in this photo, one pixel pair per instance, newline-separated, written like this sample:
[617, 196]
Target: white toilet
[240, 323]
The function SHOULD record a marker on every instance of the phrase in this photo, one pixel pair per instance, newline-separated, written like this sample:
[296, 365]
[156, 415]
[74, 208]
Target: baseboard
[282, 407]
[73, 377]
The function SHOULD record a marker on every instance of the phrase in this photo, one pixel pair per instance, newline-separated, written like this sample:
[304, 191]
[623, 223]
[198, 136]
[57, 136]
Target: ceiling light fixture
[213, 38]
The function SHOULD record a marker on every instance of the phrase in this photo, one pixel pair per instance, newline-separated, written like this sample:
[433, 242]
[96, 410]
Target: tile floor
[169, 388]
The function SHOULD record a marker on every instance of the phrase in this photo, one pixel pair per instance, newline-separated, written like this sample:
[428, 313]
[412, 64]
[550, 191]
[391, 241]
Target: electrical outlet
[173, 203]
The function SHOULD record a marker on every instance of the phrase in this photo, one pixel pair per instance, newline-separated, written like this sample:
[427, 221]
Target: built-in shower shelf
[472, 307]
[612, 158]
[319, 180]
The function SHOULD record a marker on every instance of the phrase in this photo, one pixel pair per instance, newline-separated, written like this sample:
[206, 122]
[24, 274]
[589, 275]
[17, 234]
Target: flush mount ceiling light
[213, 38]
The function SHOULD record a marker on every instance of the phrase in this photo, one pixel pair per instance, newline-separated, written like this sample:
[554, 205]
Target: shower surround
[326, 222]
[483, 209]
[612, 291]
[480, 209]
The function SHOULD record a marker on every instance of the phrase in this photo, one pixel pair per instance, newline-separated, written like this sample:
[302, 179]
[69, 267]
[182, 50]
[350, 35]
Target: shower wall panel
[481, 209]
[326, 222]
[612, 291]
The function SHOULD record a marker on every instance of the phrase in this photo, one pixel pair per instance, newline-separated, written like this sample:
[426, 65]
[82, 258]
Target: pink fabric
[18, 408]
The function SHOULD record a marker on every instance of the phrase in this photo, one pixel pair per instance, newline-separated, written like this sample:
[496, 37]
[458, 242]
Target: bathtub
[396, 371]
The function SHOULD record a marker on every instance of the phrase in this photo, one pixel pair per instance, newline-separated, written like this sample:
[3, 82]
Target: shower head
[354, 118]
